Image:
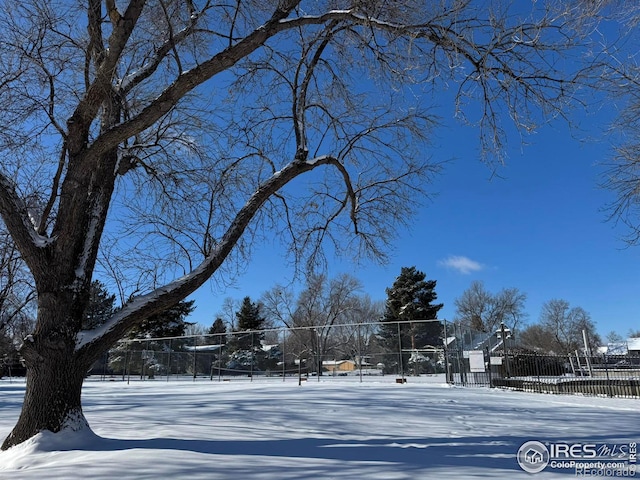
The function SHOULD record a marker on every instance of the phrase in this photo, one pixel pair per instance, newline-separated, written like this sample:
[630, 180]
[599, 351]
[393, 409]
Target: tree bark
[111, 117]
[57, 363]
[52, 398]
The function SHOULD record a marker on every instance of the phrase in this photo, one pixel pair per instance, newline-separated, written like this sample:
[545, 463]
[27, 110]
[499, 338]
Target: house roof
[621, 348]
[200, 348]
[336, 362]
[615, 348]
[633, 344]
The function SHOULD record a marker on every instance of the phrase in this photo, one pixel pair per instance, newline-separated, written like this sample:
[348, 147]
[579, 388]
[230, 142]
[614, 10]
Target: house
[339, 365]
[633, 346]
[629, 347]
[533, 456]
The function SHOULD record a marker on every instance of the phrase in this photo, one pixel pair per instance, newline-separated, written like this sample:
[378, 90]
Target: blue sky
[539, 226]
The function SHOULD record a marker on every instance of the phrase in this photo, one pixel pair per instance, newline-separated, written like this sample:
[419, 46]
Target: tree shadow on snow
[407, 453]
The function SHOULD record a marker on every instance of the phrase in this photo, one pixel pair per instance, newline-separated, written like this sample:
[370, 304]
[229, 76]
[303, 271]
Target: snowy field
[332, 429]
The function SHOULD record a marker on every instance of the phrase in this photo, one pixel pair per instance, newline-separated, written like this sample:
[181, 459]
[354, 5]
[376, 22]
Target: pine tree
[9, 358]
[410, 298]
[169, 323]
[98, 311]
[100, 308]
[249, 318]
[218, 336]
[247, 347]
[218, 329]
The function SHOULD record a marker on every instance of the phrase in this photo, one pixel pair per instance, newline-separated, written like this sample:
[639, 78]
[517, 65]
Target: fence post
[128, 366]
[126, 361]
[504, 350]
[169, 361]
[319, 361]
[537, 364]
[459, 352]
[446, 353]
[284, 356]
[252, 359]
[103, 377]
[606, 369]
[400, 362]
[489, 367]
[195, 354]
[143, 370]
[359, 350]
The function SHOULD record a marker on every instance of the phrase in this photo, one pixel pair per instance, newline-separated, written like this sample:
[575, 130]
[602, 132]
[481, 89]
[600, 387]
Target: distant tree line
[559, 329]
[403, 332]
[327, 319]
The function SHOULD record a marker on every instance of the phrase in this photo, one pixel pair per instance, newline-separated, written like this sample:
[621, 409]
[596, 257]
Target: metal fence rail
[304, 351]
[397, 353]
[602, 375]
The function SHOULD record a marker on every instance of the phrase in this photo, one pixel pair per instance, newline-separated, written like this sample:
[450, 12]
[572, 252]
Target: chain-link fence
[396, 349]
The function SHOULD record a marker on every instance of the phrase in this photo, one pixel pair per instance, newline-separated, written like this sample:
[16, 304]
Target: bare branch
[91, 344]
[161, 138]
[16, 217]
[42, 227]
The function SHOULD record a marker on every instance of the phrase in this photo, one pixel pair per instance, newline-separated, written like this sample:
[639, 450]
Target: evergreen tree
[410, 298]
[98, 311]
[100, 308]
[169, 323]
[218, 329]
[249, 318]
[246, 348]
[9, 358]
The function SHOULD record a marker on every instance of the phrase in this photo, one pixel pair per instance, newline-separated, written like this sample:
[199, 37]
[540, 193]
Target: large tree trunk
[52, 398]
[55, 371]
[57, 358]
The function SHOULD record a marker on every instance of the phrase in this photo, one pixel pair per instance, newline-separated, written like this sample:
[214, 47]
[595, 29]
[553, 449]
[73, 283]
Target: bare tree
[320, 306]
[353, 337]
[228, 311]
[622, 175]
[614, 337]
[537, 338]
[622, 84]
[483, 311]
[17, 291]
[279, 303]
[473, 308]
[152, 140]
[564, 326]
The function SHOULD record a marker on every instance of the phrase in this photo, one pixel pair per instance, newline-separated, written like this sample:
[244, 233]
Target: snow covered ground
[332, 429]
